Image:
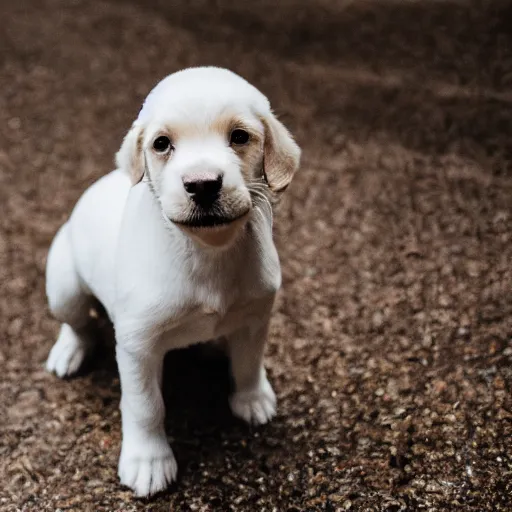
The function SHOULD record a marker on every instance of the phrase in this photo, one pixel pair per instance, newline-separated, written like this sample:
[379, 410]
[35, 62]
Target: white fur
[161, 287]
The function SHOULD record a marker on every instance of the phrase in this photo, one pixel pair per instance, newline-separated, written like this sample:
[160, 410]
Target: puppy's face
[201, 163]
[207, 142]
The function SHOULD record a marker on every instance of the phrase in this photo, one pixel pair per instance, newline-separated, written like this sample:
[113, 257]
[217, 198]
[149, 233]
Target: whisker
[261, 195]
[261, 201]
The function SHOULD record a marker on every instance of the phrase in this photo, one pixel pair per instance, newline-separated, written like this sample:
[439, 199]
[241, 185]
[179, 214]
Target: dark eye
[162, 144]
[239, 137]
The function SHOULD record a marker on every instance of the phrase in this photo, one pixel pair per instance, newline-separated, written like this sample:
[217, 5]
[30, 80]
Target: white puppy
[177, 246]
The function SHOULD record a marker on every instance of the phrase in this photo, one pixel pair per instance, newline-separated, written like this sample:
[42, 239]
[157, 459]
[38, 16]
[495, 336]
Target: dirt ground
[391, 343]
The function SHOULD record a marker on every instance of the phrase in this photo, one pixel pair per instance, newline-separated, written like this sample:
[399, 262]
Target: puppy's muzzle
[203, 188]
[211, 206]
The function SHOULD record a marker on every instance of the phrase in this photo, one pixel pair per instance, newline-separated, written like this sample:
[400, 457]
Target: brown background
[390, 349]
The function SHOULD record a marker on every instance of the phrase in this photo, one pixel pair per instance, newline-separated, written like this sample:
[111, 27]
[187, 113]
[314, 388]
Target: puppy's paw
[147, 468]
[68, 353]
[257, 406]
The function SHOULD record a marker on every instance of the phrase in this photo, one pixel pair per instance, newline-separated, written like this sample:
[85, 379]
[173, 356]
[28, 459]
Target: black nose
[204, 191]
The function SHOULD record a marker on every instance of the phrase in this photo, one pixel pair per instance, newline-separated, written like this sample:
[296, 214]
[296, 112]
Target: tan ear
[130, 157]
[281, 155]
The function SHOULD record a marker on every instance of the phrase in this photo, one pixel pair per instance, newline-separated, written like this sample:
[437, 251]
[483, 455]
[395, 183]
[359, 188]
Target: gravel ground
[391, 343]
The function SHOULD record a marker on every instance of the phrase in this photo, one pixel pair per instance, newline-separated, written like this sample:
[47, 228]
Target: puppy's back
[94, 229]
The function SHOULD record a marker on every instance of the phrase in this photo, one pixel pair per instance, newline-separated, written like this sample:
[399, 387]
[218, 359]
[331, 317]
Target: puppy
[176, 244]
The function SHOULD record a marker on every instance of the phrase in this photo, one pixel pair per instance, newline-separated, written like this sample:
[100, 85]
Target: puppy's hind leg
[70, 304]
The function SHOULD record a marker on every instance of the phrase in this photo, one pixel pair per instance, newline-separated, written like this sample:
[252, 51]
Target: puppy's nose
[203, 188]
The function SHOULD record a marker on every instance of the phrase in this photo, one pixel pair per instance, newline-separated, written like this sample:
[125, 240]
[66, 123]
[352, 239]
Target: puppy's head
[208, 144]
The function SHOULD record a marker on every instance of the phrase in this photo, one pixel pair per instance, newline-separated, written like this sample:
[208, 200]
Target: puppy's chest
[210, 301]
[215, 308]
[209, 318]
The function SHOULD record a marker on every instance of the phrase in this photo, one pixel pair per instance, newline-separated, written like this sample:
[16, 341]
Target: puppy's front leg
[254, 399]
[147, 463]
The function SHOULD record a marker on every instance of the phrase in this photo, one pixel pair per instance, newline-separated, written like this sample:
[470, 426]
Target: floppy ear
[281, 155]
[130, 157]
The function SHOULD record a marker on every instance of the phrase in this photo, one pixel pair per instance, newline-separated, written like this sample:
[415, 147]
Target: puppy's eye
[239, 137]
[162, 144]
